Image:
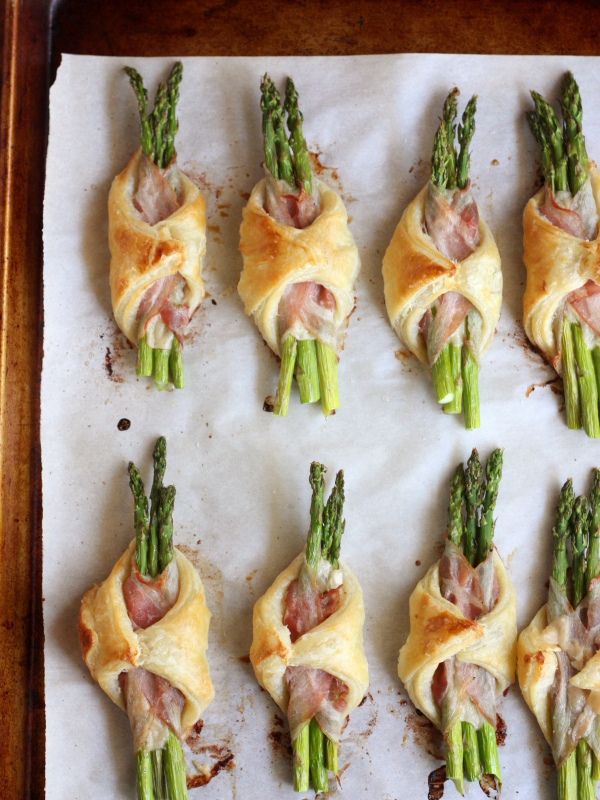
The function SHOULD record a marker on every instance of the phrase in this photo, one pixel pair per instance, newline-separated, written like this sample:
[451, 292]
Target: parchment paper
[241, 474]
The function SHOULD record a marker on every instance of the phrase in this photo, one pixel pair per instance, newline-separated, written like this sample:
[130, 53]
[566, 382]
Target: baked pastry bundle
[144, 636]
[441, 272]
[157, 238]
[561, 306]
[459, 656]
[307, 645]
[300, 260]
[558, 659]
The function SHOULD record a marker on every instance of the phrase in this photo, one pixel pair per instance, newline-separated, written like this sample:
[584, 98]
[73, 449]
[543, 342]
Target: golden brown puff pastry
[335, 645]
[557, 263]
[416, 273]
[537, 666]
[439, 630]
[276, 256]
[173, 648]
[142, 254]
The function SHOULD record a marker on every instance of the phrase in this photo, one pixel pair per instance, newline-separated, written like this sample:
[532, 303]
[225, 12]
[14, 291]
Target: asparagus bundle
[161, 771]
[561, 311]
[307, 648]
[156, 279]
[557, 651]
[300, 261]
[455, 671]
[155, 671]
[442, 277]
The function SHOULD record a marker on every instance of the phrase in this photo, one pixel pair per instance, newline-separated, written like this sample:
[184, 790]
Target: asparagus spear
[302, 168]
[473, 496]
[577, 157]
[465, 135]
[145, 784]
[553, 135]
[470, 376]
[301, 756]
[267, 104]
[307, 371]
[327, 363]
[493, 474]
[140, 517]
[569, 371]
[159, 458]
[588, 391]
[593, 561]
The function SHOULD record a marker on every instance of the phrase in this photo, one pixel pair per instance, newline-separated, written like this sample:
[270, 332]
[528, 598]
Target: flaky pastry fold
[277, 255]
[173, 648]
[335, 645]
[557, 264]
[439, 630]
[416, 273]
[537, 666]
[142, 254]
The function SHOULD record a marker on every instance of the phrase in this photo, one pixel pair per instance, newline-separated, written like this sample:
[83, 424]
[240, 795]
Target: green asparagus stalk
[282, 147]
[472, 763]
[455, 406]
[439, 159]
[159, 457]
[137, 84]
[327, 363]
[588, 391]
[140, 517]
[579, 543]
[455, 757]
[448, 120]
[176, 364]
[301, 751]
[569, 374]
[160, 367]
[488, 749]
[493, 474]
[172, 125]
[156, 757]
[165, 527]
[307, 371]
[315, 535]
[470, 376]
[302, 167]
[145, 783]
[560, 533]
[586, 789]
[540, 136]
[174, 769]
[145, 359]
[554, 136]
[442, 375]
[318, 772]
[567, 779]
[473, 497]
[289, 350]
[577, 157]
[268, 106]
[331, 756]
[456, 506]
[596, 360]
[593, 561]
[465, 136]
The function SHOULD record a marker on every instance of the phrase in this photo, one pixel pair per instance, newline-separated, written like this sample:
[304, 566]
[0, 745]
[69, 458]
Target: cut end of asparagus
[289, 350]
[327, 364]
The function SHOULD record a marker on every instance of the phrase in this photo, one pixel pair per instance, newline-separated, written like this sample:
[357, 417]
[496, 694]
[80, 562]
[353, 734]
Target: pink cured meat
[316, 693]
[149, 697]
[452, 221]
[474, 590]
[451, 311]
[148, 599]
[306, 607]
[566, 218]
[154, 197]
[309, 304]
[156, 301]
[313, 692]
[296, 209]
[586, 303]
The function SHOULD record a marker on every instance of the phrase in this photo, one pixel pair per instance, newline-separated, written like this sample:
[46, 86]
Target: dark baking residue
[193, 739]
[279, 737]
[108, 363]
[269, 404]
[226, 762]
[244, 659]
[436, 781]
[425, 734]
[555, 385]
[500, 731]
[213, 301]
[489, 786]
[124, 424]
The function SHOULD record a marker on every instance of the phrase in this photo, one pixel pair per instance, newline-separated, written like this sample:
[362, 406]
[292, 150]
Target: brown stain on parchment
[220, 757]
[424, 733]
[115, 346]
[279, 738]
[554, 384]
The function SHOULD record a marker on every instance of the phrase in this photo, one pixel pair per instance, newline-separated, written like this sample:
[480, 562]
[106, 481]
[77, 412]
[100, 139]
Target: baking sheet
[241, 474]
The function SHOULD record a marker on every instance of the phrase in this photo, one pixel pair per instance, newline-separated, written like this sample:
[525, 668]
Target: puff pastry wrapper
[557, 264]
[173, 648]
[416, 273]
[142, 254]
[439, 630]
[276, 256]
[538, 649]
[335, 645]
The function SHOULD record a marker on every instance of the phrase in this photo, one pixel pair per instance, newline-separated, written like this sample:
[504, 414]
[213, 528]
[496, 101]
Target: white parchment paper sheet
[241, 474]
